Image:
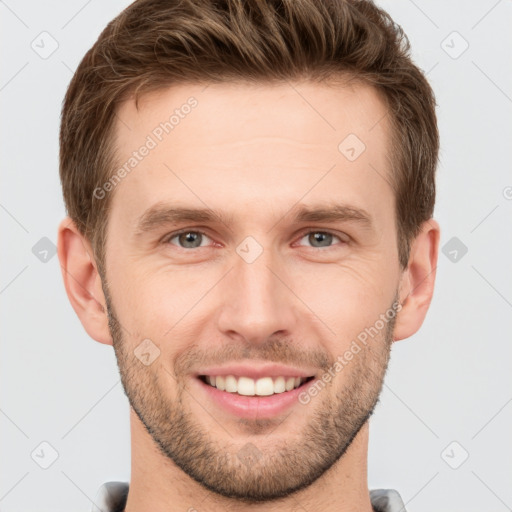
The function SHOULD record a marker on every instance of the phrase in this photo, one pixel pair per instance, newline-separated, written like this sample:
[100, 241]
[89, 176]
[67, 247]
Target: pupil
[320, 237]
[189, 239]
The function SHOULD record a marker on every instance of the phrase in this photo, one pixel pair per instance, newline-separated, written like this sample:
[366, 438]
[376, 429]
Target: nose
[256, 300]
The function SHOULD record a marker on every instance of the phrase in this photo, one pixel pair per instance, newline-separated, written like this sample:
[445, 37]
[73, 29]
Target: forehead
[309, 112]
[249, 147]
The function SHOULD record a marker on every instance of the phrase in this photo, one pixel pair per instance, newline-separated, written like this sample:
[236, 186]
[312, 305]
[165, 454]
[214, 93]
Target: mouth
[247, 386]
[253, 399]
[255, 389]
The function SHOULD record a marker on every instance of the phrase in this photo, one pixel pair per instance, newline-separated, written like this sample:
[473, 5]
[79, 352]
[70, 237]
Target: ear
[417, 282]
[82, 281]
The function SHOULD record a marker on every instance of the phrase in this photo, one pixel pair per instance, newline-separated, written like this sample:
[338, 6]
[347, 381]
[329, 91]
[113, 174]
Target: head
[307, 139]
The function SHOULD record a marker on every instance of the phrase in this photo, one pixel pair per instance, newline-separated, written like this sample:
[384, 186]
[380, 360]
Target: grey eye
[189, 239]
[320, 239]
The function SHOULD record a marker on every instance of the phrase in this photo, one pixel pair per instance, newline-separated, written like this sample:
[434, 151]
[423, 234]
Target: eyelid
[343, 237]
[169, 236]
[305, 231]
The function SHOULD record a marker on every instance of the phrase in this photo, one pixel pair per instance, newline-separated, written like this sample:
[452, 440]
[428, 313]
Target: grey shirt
[111, 497]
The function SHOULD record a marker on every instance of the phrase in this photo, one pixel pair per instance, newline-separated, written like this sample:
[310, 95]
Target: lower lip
[254, 407]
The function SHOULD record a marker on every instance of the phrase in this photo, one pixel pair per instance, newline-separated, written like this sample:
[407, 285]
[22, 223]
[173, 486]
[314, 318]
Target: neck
[157, 484]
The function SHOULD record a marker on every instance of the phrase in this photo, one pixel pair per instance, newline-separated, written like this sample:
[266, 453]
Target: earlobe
[82, 281]
[417, 283]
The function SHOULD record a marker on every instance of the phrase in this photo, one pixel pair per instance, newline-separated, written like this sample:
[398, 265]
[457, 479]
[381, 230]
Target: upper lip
[256, 371]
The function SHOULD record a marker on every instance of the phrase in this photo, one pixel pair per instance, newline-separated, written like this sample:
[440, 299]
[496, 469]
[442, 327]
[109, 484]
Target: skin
[255, 152]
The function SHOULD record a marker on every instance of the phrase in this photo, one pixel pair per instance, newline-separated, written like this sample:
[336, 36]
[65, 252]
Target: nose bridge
[255, 302]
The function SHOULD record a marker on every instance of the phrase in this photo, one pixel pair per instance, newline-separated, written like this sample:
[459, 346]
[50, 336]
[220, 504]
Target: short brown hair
[153, 44]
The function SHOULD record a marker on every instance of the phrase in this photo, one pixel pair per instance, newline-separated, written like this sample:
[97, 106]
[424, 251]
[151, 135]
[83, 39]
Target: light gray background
[449, 382]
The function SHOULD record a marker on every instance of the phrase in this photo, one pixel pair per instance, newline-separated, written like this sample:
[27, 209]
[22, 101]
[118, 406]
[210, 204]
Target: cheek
[346, 297]
[155, 304]
[163, 303]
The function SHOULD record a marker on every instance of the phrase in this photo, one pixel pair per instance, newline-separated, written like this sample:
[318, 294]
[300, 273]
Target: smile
[247, 386]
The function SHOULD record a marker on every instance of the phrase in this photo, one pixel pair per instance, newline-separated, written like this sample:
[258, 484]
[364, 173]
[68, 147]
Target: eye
[194, 239]
[319, 239]
[188, 239]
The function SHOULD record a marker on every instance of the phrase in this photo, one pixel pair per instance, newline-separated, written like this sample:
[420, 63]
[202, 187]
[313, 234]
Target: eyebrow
[162, 214]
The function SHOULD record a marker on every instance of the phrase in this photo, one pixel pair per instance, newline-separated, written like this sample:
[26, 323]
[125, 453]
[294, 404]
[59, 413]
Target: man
[250, 188]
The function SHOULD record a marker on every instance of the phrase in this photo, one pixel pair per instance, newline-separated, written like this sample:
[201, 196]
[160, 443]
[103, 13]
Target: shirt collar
[112, 496]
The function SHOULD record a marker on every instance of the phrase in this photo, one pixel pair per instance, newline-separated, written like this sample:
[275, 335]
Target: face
[248, 248]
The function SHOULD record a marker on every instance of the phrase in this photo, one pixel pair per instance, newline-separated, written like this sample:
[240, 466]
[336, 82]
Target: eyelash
[302, 234]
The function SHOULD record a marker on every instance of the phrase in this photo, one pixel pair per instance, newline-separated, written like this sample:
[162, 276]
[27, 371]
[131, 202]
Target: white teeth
[264, 387]
[231, 384]
[220, 382]
[246, 386]
[290, 383]
[279, 385]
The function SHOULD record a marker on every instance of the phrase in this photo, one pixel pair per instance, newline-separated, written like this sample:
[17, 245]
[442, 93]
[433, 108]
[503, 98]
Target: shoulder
[386, 500]
[111, 497]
